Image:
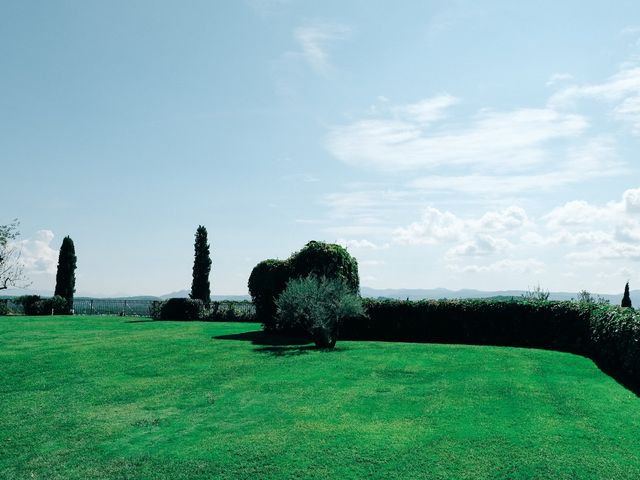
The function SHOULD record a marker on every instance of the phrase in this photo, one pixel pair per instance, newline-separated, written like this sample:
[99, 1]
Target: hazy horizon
[487, 146]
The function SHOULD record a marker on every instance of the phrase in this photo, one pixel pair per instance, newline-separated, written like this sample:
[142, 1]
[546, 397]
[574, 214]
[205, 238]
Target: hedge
[190, 309]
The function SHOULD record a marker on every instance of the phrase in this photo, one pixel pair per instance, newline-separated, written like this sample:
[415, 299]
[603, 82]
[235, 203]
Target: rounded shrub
[326, 260]
[182, 309]
[267, 280]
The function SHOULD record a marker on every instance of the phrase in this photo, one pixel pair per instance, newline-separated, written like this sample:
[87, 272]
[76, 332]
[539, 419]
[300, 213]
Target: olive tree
[319, 305]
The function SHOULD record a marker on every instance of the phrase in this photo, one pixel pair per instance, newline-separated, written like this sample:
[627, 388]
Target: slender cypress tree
[626, 299]
[200, 288]
[66, 275]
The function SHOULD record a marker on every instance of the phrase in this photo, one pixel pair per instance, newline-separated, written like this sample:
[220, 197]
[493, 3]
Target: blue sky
[456, 144]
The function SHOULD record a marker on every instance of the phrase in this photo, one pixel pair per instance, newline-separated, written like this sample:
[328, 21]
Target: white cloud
[37, 256]
[580, 212]
[434, 227]
[428, 110]
[529, 265]
[361, 244]
[595, 159]
[504, 141]
[315, 40]
[511, 218]
[631, 199]
[437, 227]
[480, 246]
[615, 251]
[621, 89]
[558, 77]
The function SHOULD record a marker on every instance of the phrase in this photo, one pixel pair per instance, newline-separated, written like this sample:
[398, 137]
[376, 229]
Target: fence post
[91, 307]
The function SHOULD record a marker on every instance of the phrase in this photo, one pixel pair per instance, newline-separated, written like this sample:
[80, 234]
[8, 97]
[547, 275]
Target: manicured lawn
[98, 397]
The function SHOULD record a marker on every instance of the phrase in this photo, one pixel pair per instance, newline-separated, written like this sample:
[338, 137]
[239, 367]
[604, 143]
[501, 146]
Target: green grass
[97, 397]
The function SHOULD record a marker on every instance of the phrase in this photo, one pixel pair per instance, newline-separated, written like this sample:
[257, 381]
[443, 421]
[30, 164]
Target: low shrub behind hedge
[181, 309]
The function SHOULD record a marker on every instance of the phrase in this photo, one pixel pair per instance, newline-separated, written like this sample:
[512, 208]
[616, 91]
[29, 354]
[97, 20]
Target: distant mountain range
[439, 293]
[397, 293]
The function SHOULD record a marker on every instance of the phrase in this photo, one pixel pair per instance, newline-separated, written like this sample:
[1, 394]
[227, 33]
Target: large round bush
[326, 260]
[267, 280]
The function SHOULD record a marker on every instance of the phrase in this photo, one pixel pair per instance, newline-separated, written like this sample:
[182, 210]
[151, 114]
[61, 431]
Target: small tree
[585, 297]
[626, 299]
[66, 274]
[318, 305]
[536, 294]
[200, 287]
[11, 273]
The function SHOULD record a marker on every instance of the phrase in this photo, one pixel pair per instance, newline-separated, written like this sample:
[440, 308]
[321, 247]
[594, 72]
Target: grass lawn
[100, 397]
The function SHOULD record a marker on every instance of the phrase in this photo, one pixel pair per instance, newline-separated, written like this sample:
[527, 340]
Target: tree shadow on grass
[277, 345]
[293, 351]
[259, 337]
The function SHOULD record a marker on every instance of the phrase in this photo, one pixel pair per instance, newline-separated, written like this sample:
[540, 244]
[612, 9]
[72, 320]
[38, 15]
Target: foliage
[267, 280]
[522, 323]
[326, 260]
[615, 334]
[200, 286]
[536, 294]
[28, 303]
[11, 271]
[155, 309]
[318, 306]
[231, 311]
[626, 299]
[35, 305]
[585, 296]
[182, 309]
[66, 273]
[4, 307]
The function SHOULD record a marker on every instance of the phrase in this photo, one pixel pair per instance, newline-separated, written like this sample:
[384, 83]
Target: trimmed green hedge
[557, 325]
[615, 342]
[192, 309]
[608, 335]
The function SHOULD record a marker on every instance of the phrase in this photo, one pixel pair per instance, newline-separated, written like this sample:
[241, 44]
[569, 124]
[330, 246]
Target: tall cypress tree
[66, 275]
[200, 288]
[626, 299]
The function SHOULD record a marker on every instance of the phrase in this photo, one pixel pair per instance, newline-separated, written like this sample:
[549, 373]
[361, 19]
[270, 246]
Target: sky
[458, 144]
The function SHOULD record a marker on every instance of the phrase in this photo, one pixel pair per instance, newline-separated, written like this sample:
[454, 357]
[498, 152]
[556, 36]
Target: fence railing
[141, 308]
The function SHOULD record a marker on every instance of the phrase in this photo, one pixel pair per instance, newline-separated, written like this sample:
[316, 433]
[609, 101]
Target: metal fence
[142, 308]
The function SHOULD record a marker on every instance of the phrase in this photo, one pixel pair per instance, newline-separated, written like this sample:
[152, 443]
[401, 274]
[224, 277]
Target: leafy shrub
[28, 303]
[182, 309]
[155, 309]
[267, 280]
[35, 305]
[326, 260]
[536, 294]
[318, 306]
[231, 311]
[4, 308]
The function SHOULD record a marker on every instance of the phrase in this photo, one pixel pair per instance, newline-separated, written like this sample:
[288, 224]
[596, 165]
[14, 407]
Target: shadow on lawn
[259, 337]
[276, 345]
